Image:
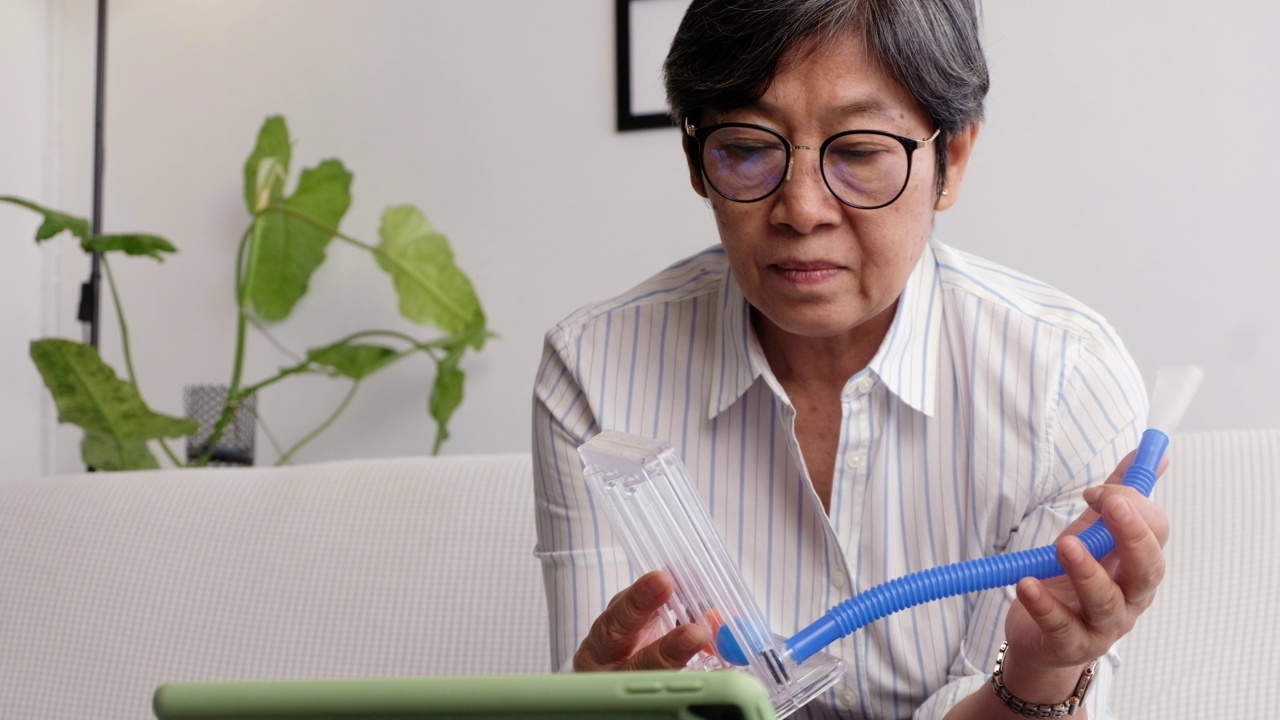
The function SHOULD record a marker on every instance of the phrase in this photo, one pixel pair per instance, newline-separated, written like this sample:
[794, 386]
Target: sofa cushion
[111, 584]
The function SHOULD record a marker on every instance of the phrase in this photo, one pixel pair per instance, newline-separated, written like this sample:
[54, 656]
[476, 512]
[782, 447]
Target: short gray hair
[727, 52]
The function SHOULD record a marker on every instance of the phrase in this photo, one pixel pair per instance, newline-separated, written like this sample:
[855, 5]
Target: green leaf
[432, 290]
[88, 393]
[354, 360]
[102, 452]
[446, 394]
[264, 182]
[54, 221]
[287, 250]
[132, 244]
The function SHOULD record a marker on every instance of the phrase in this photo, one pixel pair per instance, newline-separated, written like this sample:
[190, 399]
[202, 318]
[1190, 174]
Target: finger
[1095, 497]
[1152, 515]
[615, 635]
[672, 651]
[1139, 560]
[1103, 607]
[1055, 619]
[1092, 496]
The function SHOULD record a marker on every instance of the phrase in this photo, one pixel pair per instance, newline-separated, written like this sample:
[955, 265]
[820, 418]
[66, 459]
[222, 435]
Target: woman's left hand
[1059, 625]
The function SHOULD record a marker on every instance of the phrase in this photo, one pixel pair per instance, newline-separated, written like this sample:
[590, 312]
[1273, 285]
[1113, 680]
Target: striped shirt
[993, 401]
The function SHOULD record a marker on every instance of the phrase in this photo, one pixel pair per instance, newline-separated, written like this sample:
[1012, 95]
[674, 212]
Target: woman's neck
[823, 361]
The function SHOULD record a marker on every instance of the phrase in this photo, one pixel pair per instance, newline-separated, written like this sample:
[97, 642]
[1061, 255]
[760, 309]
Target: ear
[959, 150]
[695, 174]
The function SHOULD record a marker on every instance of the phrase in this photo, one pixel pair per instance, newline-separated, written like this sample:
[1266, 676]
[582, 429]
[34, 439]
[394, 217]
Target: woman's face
[810, 265]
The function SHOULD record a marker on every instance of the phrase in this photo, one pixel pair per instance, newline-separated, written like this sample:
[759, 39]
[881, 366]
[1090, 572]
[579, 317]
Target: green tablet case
[654, 695]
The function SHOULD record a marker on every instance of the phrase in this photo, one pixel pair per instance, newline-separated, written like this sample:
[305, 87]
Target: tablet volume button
[644, 688]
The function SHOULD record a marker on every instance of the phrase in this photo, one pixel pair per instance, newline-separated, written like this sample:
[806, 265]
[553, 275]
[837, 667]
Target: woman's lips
[807, 273]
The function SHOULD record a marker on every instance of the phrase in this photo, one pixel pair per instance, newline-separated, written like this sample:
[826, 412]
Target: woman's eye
[747, 151]
[856, 153]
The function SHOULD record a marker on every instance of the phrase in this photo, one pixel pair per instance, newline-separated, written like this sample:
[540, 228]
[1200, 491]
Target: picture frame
[644, 29]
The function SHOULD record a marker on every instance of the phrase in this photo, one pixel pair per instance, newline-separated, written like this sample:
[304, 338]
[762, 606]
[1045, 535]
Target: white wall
[1126, 159]
[1129, 159]
[24, 119]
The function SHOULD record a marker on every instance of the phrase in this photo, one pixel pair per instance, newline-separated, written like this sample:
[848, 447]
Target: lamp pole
[91, 290]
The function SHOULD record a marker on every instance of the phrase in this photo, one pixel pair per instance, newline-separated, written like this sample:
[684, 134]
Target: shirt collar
[907, 361]
[738, 356]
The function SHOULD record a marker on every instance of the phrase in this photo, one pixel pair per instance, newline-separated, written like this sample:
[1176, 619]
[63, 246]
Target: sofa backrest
[111, 584]
[1209, 647]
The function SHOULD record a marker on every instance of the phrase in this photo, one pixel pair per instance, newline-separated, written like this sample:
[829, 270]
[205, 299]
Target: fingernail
[1032, 591]
[652, 586]
[1073, 552]
[688, 642]
[1092, 494]
[1123, 510]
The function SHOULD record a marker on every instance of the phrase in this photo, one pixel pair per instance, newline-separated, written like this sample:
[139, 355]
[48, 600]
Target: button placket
[848, 698]
[856, 460]
[840, 579]
[847, 503]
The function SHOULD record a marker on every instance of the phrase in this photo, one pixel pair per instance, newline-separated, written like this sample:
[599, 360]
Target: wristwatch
[1039, 710]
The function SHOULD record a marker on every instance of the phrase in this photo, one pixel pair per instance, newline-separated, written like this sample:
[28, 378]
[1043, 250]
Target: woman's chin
[826, 320]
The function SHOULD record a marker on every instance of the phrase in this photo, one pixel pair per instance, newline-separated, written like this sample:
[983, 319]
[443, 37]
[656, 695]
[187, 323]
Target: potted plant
[282, 246]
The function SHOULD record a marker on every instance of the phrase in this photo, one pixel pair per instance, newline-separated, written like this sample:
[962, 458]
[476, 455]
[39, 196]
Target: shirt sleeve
[1100, 415]
[582, 564]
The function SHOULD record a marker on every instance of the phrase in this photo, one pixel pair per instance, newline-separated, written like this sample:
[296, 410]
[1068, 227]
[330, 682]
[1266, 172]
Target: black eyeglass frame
[700, 134]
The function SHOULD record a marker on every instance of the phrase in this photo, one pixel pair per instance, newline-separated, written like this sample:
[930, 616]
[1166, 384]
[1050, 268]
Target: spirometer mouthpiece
[1175, 387]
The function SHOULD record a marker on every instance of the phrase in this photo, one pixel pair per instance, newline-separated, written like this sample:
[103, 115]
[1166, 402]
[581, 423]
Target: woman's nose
[804, 202]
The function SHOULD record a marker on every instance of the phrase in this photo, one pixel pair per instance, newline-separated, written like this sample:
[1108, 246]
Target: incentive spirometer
[646, 494]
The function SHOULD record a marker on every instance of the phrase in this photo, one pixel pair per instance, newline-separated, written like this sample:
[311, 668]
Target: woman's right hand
[625, 636]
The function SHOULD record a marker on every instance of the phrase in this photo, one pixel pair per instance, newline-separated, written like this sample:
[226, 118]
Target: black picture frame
[628, 117]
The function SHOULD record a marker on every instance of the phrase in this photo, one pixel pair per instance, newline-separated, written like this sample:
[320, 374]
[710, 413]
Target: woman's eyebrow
[862, 107]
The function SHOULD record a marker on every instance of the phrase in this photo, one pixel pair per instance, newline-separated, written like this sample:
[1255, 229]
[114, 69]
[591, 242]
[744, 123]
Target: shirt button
[856, 459]
[865, 384]
[840, 580]
[848, 698]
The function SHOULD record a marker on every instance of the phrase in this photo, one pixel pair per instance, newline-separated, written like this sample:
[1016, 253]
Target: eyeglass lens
[862, 169]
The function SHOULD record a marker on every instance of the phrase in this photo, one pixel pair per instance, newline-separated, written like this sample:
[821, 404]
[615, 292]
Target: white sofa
[111, 584]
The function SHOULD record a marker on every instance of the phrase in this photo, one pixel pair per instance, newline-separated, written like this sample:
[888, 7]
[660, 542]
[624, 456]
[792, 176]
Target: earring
[944, 191]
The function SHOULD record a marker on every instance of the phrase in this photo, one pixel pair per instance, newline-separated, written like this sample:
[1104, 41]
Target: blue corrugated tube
[957, 578]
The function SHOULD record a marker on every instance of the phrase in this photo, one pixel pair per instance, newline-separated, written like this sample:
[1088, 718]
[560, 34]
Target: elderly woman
[854, 399]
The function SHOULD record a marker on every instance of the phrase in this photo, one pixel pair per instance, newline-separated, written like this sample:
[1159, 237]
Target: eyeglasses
[865, 169]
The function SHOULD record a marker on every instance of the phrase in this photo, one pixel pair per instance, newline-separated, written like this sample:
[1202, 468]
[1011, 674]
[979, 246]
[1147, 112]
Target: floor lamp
[91, 290]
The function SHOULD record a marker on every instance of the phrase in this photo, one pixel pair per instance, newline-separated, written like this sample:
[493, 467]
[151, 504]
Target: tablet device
[646, 695]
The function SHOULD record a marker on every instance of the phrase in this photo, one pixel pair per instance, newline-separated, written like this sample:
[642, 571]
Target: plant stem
[407, 339]
[127, 350]
[242, 305]
[244, 273]
[322, 427]
[124, 327]
[262, 330]
[308, 220]
[303, 367]
[307, 366]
